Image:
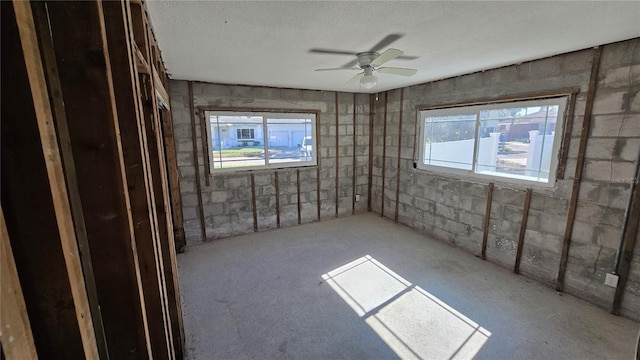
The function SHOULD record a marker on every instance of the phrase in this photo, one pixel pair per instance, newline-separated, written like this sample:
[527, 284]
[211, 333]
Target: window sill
[516, 182]
[259, 169]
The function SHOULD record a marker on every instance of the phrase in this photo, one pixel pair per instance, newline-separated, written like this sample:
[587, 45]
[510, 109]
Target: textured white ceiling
[267, 43]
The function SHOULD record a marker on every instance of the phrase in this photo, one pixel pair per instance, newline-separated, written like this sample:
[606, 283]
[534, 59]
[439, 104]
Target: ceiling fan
[370, 61]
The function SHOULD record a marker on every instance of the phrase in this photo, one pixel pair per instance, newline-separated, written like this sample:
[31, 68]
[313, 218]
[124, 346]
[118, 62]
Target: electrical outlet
[357, 197]
[611, 280]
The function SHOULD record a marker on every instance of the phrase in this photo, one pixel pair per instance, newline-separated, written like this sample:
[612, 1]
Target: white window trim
[265, 115]
[561, 101]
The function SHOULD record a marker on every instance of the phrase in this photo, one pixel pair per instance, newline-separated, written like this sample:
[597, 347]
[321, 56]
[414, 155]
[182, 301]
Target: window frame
[266, 115]
[562, 100]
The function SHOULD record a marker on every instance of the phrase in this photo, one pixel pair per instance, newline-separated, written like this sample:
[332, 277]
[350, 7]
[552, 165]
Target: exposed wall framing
[196, 162]
[398, 169]
[523, 229]
[337, 166]
[372, 99]
[354, 166]
[101, 202]
[384, 153]
[487, 219]
[582, 147]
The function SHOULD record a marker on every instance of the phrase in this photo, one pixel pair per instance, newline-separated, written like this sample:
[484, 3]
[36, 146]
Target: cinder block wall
[442, 206]
[228, 202]
[453, 209]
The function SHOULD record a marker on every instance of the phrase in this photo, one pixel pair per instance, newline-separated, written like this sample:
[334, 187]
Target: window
[517, 141]
[245, 134]
[253, 140]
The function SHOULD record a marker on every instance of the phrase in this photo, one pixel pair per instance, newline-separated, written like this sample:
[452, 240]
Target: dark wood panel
[134, 146]
[84, 70]
[28, 207]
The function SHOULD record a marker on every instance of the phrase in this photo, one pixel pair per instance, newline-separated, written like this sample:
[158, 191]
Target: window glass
[517, 140]
[449, 140]
[253, 140]
[290, 140]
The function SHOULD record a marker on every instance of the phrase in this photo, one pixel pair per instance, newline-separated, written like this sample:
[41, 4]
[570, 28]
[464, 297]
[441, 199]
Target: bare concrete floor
[363, 287]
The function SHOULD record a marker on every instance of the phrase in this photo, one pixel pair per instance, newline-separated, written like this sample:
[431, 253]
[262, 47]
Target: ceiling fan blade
[335, 52]
[336, 69]
[351, 64]
[355, 79]
[397, 71]
[386, 42]
[407, 57]
[386, 56]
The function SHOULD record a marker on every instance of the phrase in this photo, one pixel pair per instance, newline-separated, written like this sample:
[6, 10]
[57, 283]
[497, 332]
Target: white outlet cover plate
[611, 280]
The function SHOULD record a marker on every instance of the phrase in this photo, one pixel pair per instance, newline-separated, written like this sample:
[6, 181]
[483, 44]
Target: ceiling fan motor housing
[365, 58]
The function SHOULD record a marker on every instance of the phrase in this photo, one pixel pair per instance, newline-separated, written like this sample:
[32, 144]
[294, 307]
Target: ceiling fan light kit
[368, 81]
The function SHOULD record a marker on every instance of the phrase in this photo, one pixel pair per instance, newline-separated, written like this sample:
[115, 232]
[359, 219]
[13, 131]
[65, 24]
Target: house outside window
[253, 140]
[514, 142]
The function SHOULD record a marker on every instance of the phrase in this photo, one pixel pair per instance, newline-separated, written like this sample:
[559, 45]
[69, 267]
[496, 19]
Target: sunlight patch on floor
[410, 320]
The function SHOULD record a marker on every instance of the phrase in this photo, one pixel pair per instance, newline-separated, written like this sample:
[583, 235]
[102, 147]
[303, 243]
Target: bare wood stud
[354, 167]
[167, 241]
[318, 158]
[337, 154]
[384, 151]
[194, 141]
[298, 192]
[568, 128]
[205, 145]
[174, 181]
[16, 336]
[161, 92]
[371, 117]
[399, 155]
[487, 217]
[253, 203]
[277, 183]
[143, 66]
[523, 228]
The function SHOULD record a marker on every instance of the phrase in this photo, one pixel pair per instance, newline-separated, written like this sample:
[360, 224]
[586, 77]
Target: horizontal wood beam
[506, 98]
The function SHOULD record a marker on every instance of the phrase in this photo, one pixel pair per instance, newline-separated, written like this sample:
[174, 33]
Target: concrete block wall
[442, 206]
[228, 200]
[612, 153]
[453, 209]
